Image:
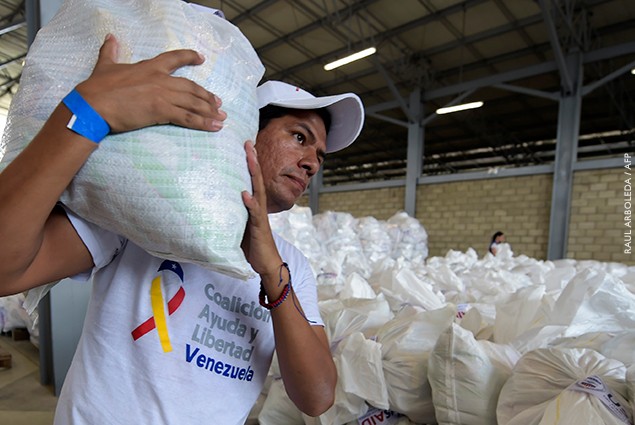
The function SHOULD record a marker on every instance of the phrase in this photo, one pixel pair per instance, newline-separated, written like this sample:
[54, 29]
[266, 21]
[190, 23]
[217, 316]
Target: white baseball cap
[205, 9]
[347, 110]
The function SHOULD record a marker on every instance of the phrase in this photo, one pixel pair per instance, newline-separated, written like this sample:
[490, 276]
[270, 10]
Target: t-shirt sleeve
[103, 245]
[303, 280]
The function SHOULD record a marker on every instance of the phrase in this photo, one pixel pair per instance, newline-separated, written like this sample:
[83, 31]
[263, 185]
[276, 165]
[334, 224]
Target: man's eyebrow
[307, 129]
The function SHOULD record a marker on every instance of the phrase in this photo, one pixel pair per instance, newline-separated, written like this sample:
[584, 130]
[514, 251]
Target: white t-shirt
[171, 343]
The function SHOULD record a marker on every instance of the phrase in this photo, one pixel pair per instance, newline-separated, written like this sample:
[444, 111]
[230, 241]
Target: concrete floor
[23, 400]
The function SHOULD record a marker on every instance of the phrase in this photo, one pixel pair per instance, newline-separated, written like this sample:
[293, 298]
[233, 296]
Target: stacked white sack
[296, 225]
[173, 191]
[377, 244]
[357, 358]
[337, 233]
[593, 301]
[409, 237]
[466, 377]
[278, 409]
[360, 380]
[511, 305]
[13, 315]
[388, 370]
[406, 343]
[565, 386]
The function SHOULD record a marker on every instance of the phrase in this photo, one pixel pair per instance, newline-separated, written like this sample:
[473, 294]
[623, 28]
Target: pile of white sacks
[459, 339]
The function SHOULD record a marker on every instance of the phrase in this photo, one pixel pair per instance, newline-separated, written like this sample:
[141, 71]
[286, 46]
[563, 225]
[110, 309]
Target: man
[207, 359]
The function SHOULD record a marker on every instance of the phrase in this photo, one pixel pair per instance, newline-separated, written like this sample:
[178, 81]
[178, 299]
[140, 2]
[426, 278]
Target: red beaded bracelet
[285, 291]
[270, 306]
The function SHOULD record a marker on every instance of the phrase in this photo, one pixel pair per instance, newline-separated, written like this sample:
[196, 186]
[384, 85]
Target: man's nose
[310, 162]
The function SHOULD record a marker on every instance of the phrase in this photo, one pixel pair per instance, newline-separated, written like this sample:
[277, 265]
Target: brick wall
[303, 201]
[596, 229]
[466, 214]
[379, 203]
[460, 215]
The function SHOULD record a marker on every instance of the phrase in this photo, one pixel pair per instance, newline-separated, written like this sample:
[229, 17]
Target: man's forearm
[30, 187]
[305, 360]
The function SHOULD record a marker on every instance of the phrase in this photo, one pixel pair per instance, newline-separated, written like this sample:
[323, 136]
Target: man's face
[290, 150]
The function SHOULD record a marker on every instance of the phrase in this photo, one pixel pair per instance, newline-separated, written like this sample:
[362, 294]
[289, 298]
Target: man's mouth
[299, 182]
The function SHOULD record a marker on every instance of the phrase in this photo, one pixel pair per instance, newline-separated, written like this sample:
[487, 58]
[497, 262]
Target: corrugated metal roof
[508, 54]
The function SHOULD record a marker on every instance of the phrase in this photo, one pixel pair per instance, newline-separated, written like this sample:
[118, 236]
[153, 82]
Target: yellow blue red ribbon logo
[158, 319]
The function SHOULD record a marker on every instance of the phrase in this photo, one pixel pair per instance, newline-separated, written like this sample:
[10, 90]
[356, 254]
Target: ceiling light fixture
[464, 106]
[633, 71]
[349, 59]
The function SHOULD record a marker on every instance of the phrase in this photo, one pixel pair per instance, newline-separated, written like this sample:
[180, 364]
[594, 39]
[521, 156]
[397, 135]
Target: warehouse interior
[534, 64]
[544, 159]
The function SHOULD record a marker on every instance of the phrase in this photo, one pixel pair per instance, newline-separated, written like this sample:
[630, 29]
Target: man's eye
[300, 137]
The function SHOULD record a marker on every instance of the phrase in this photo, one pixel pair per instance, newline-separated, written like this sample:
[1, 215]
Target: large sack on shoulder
[173, 191]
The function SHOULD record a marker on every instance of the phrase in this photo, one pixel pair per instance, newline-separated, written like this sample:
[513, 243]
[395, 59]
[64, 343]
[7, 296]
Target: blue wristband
[85, 120]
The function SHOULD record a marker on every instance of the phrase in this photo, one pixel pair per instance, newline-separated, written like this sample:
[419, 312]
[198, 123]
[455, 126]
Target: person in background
[206, 360]
[497, 238]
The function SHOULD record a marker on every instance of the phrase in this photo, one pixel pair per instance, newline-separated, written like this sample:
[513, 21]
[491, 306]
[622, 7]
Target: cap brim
[347, 116]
